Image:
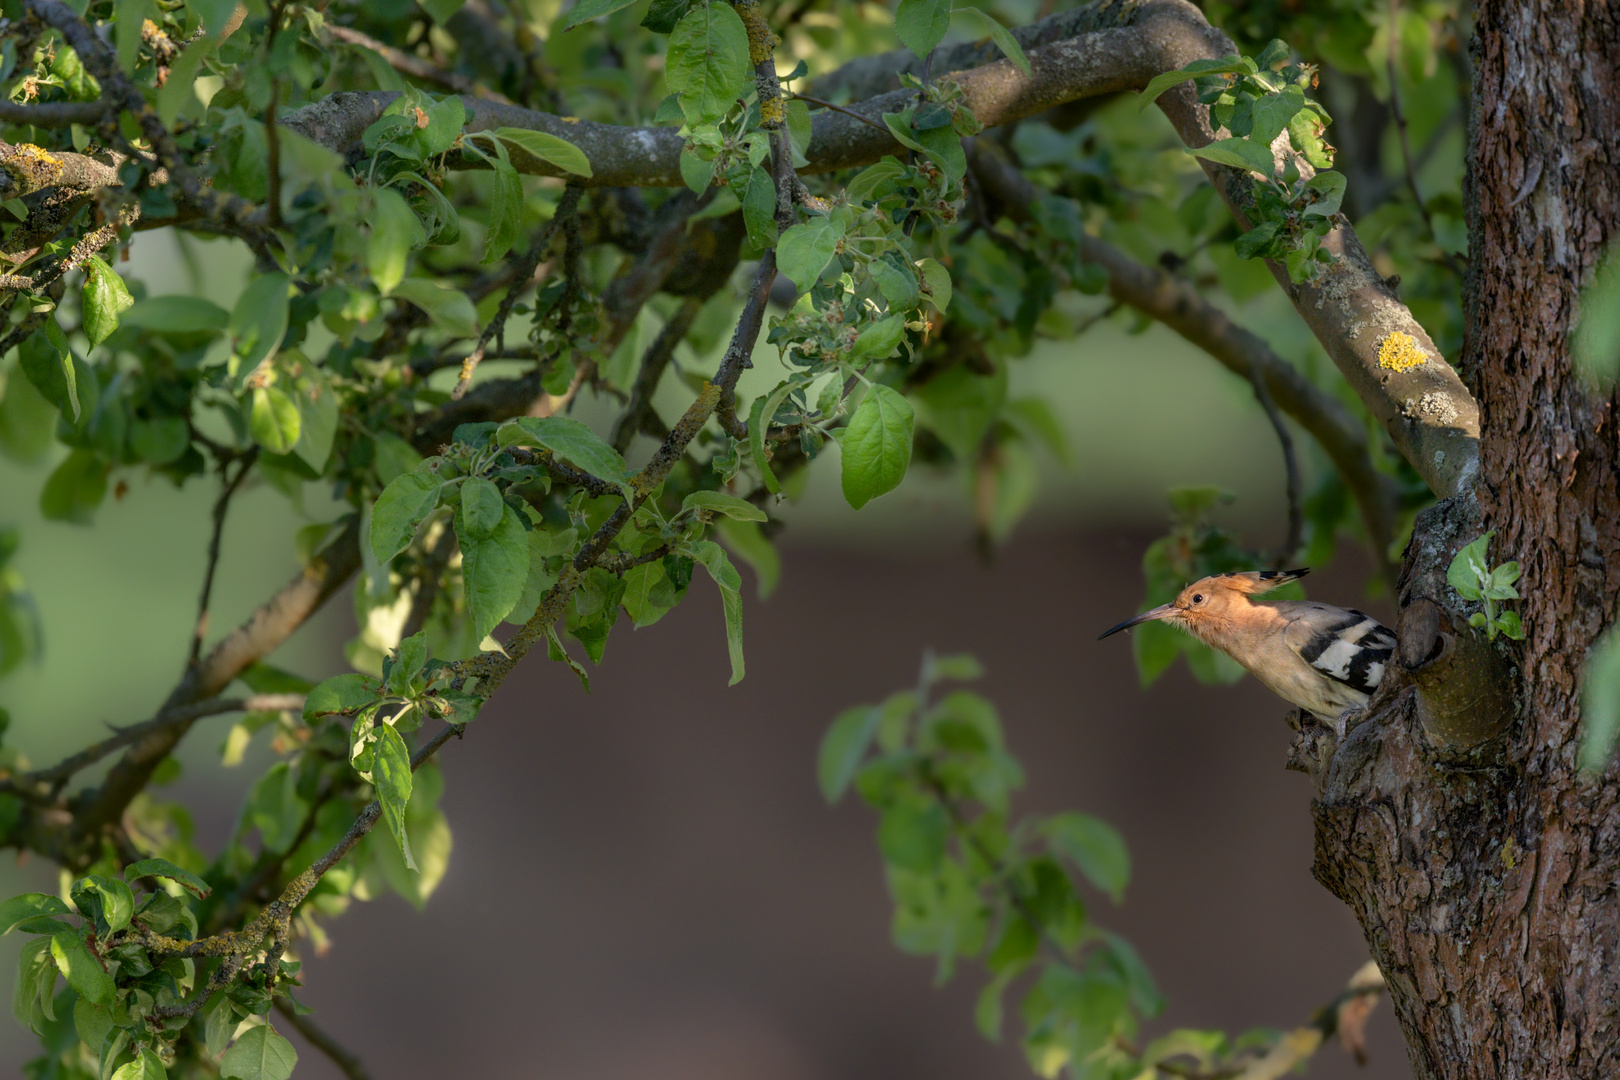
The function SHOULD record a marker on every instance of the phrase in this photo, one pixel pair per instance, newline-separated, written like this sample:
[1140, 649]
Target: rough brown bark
[1486, 878]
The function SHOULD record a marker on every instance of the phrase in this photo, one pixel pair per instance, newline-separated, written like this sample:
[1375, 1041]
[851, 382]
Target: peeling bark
[1485, 877]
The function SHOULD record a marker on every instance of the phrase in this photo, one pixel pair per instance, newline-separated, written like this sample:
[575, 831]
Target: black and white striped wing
[1345, 645]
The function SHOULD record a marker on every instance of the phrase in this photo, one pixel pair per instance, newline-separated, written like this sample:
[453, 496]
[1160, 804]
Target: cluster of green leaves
[517, 534]
[115, 951]
[1477, 581]
[969, 881]
[1255, 100]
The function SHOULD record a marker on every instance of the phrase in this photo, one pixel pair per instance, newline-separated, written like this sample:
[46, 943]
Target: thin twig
[65, 768]
[221, 507]
[654, 362]
[348, 1063]
[414, 66]
[1406, 144]
[522, 277]
[867, 120]
[1296, 515]
[427, 582]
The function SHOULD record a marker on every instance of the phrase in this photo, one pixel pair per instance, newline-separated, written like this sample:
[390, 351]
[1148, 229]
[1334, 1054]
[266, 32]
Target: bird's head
[1211, 600]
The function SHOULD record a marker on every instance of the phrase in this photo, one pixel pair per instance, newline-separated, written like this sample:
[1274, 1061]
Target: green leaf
[912, 835]
[759, 422]
[177, 315]
[706, 64]
[104, 297]
[81, 968]
[165, 869]
[805, 249]
[1327, 191]
[983, 24]
[880, 339]
[1274, 112]
[394, 232]
[317, 417]
[662, 15]
[843, 748]
[260, 1054]
[450, 309]
[1239, 154]
[33, 999]
[1231, 65]
[159, 441]
[403, 668]
[1600, 703]
[339, 694]
[922, 24]
[586, 10]
[1595, 345]
[48, 363]
[748, 542]
[642, 593]
[146, 1066]
[962, 667]
[117, 901]
[720, 503]
[549, 148]
[258, 322]
[75, 488]
[495, 569]
[866, 182]
[555, 651]
[91, 1022]
[481, 509]
[713, 557]
[1469, 572]
[899, 287]
[274, 420]
[1094, 847]
[391, 769]
[32, 909]
[570, 440]
[407, 499]
[877, 445]
[759, 207]
[446, 118]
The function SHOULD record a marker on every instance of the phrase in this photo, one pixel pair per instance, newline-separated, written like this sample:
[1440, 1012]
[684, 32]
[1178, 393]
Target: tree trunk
[1487, 877]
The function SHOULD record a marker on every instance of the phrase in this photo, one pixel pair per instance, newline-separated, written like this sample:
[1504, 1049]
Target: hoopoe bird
[1327, 660]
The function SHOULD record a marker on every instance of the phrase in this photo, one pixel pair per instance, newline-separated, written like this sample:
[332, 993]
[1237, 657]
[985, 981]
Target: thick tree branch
[409, 64]
[1179, 306]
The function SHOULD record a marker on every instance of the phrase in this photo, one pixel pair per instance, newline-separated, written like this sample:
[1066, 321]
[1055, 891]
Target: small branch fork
[1296, 515]
[221, 507]
[522, 277]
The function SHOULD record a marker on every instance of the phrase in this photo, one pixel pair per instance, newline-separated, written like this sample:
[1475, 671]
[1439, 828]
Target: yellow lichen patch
[1400, 352]
[761, 42]
[772, 113]
[30, 167]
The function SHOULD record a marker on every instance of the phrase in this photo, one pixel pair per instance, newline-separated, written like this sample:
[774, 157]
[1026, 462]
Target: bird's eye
[1198, 598]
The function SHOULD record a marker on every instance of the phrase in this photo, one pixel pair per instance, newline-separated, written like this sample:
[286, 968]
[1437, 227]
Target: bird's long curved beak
[1163, 611]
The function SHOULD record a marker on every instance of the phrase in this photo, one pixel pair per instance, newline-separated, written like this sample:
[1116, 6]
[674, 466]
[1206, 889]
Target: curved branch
[1179, 306]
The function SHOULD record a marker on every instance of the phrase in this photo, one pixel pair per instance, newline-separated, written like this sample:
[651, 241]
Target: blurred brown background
[646, 881]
